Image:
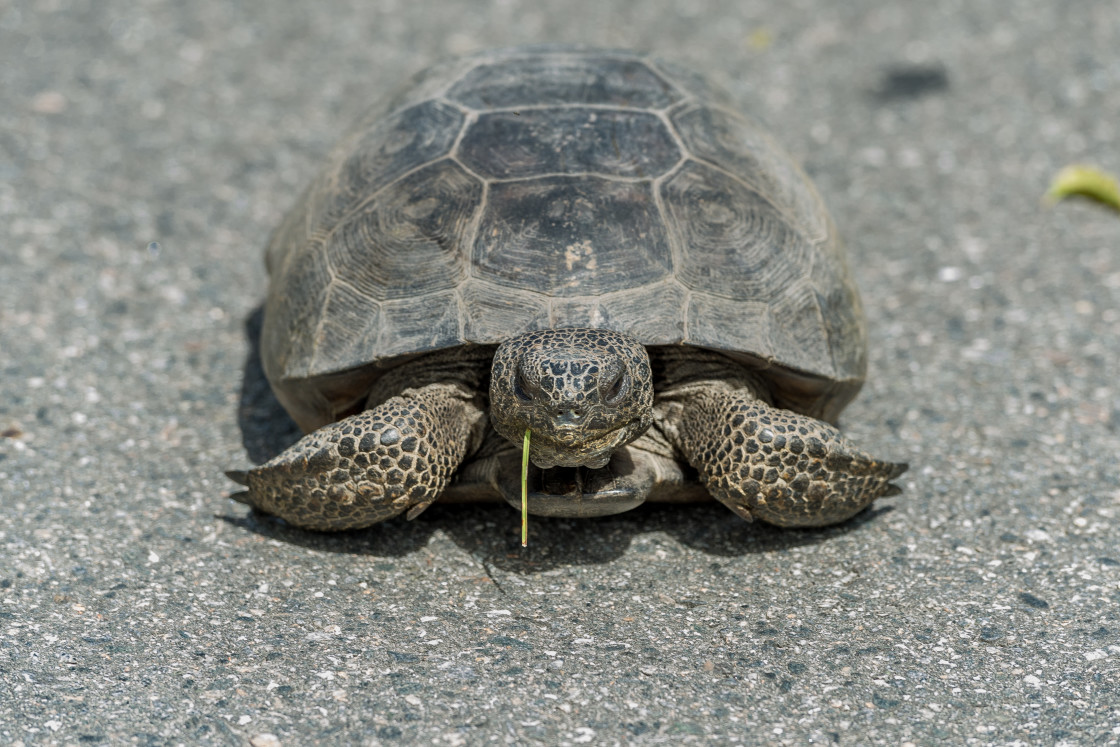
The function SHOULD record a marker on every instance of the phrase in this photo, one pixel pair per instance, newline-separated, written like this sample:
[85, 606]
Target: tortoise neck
[467, 367]
[678, 369]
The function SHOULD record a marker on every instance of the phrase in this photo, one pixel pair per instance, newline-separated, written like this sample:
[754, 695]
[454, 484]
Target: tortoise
[591, 245]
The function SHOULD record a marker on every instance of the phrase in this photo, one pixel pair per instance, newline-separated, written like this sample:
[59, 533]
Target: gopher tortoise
[591, 245]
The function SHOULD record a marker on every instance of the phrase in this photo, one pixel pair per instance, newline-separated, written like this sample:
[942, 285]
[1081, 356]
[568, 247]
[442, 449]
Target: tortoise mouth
[547, 450]
[597, 461]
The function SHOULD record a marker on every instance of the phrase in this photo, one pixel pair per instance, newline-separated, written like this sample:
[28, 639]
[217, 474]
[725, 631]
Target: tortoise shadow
[491, 531]
[710, 528]
[266, 428]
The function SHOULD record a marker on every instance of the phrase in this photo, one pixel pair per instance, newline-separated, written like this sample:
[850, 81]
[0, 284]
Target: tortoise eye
[617, 389]
[521, 386]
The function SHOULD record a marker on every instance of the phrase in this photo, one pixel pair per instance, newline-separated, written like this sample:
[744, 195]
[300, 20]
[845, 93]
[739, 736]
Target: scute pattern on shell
[558, 187]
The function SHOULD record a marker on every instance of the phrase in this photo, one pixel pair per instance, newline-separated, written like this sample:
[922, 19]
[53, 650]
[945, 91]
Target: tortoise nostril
[569, 414]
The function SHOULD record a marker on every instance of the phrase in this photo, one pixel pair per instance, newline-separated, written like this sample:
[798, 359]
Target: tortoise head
[582, 392]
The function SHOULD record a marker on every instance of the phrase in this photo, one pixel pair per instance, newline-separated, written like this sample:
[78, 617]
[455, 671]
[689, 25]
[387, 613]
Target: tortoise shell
[558, 187]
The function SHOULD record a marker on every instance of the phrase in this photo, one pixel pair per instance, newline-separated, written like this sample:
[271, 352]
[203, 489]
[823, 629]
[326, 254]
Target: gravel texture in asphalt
[148, 148]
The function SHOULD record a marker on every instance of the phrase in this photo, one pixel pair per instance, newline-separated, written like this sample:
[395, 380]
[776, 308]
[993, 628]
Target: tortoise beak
[567, 435]
[573, 447]
[592, 461]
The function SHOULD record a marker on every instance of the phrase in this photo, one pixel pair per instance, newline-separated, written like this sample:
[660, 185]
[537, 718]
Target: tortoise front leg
[766, 463]
[371, 466]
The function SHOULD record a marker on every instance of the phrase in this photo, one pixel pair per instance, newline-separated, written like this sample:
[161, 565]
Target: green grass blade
[525, 491]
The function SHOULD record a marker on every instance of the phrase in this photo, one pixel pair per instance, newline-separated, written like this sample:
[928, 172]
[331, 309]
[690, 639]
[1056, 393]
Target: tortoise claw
[890, 490]
[241, 497]
[239, 476]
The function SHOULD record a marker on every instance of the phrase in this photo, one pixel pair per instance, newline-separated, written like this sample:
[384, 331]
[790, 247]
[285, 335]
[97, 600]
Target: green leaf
[1085, 181]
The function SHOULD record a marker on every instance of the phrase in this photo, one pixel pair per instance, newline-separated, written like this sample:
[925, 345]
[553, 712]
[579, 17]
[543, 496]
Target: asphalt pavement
[148, 148]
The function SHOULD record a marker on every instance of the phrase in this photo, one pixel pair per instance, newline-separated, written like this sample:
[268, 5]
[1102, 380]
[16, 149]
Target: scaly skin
[766, 463]
[371, 466]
